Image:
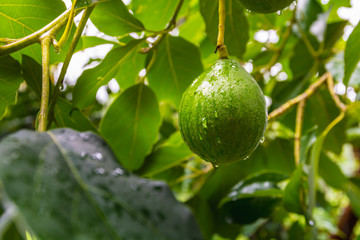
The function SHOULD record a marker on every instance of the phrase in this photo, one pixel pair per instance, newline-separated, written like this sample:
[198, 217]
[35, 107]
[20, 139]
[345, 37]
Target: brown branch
[335, 97]
[308, 92]
[298, 127]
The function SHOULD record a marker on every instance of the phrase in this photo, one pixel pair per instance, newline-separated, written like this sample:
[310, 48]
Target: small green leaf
[91, 41]
[113, 18]
[236, 25]
[122, 63]
[145, 10]
[177, 63]
[131, 125]
[71, 187]
[169, 154]
[293, 193]
[10, 80]
[352, 53]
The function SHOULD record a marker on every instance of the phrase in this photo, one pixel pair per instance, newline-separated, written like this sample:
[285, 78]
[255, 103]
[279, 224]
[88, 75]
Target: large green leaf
[123, 63]
[131, 125]
[68, 185]
[10, 79]
[113, 18]
[177, 64]
[20, 18]
[293, 194]
[352, 53]
[145, 10]
[236, 25]
[32, 74]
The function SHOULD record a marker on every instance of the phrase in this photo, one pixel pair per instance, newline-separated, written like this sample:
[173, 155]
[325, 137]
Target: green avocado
[265, 6]
[222, 114]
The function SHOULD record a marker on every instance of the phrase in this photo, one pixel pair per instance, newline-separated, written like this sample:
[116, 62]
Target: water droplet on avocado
[117, 172]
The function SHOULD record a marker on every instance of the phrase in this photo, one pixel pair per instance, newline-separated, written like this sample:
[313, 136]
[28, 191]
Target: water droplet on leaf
[118, 172]
[262, 139]
[99, 171]
[97, 156]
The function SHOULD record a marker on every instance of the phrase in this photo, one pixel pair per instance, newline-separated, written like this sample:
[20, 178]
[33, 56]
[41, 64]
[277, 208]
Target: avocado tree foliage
[72, 168]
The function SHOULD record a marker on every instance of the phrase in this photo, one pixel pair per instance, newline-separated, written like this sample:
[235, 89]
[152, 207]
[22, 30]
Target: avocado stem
[220, 47]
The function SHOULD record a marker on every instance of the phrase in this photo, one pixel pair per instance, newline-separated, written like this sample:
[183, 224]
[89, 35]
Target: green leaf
[336, 67]
[307, 12]
[177, 63]
[113, 18]
[352, 53]
[236, 25]
[71, 187]
[32, 74]
[145, 10]
[20, 18]
[169, 154]
[331, 173]
[252, 198]
[91, 41]
[293, 193]
[131, 125]
[10, 80]
[67, 116]
[123, 63]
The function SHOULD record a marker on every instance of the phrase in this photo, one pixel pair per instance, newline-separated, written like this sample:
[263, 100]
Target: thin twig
[172, 23]
[68, 27]
[335, 97]
[308, 92]
[298, 127]
[67, 60]
[34, 37]
[44, 104]
[220, 47]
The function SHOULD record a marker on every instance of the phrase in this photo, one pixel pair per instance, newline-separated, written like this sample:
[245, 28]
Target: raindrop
[311, 223]
[83, 155]
[118, 172]
[262, 140]
[97, 156]
[204, 122]
[84, 136]
[279, 12]
[246, 157]
[99, 171]
[215, 166]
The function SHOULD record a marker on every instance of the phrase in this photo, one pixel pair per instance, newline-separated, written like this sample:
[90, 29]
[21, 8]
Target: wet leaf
[71, 187]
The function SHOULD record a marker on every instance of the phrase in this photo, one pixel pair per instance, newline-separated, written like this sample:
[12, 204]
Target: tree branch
[308, 92]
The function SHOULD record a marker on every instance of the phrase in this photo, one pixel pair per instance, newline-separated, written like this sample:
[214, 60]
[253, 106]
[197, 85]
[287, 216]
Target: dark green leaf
[113, 18]
[122, 63]
[253, 198]
[177, 63]
[236, 25]
[71, 187]
[352, 53]
[334, 31]
[331, 173]
[32, 74]
[131, 125]
[145, 10]
[293, 193]
[91, 41]
[169, 154]
[307, 12]
[10, 80]
[67, 116]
